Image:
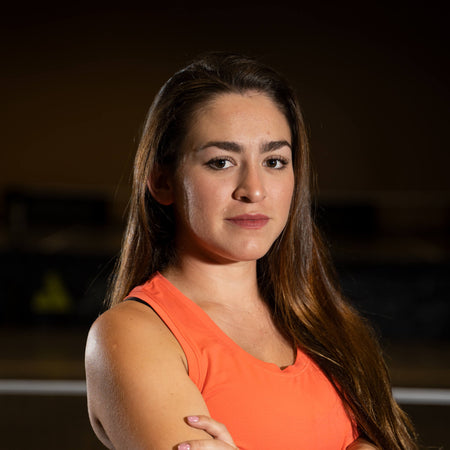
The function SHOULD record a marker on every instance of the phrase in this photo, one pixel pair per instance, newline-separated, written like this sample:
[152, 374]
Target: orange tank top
[262, 406]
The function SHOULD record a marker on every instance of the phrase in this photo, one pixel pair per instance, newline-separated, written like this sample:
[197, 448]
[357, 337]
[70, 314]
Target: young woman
[233, 333]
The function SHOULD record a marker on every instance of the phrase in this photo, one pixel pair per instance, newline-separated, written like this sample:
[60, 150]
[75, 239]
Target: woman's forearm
[361, 444]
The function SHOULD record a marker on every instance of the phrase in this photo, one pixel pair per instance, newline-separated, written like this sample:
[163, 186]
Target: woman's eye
[276, 163]
[219, 163]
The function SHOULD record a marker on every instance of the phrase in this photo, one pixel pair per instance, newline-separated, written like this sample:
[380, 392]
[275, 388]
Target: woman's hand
[222, 438]
[361, 444]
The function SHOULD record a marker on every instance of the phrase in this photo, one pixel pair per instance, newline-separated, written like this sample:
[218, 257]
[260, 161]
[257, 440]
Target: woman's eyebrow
[275, 145]
[223, 145]
[237, 148]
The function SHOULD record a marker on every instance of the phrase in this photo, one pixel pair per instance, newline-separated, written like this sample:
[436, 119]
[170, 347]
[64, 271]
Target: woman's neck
[233, 285]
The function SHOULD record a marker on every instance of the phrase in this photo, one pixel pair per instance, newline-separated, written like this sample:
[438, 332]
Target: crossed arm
[223, 440]
[139, 391]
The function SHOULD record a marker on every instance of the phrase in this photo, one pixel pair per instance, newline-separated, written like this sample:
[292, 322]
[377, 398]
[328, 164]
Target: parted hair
[295, 277]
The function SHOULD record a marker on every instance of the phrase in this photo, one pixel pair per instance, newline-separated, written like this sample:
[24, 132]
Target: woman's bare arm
[361, 444]
[139, 392]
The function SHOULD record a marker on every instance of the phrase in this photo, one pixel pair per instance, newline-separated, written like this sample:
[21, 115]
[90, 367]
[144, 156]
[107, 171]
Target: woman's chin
[224, 252]
[245, 254]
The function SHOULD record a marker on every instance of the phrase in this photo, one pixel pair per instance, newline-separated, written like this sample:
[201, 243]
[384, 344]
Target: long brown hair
[295, 277]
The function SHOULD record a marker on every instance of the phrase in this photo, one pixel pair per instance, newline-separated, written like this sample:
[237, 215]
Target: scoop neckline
[301, 360]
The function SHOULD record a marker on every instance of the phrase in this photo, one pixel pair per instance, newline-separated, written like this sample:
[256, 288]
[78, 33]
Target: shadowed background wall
[76, 84]
[372, 80]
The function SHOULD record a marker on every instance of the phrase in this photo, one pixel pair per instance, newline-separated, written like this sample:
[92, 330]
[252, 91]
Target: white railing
[412, 396]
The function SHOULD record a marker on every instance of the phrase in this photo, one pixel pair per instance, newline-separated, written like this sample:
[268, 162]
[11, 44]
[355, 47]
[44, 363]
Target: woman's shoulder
[131, 325]
[126, 316]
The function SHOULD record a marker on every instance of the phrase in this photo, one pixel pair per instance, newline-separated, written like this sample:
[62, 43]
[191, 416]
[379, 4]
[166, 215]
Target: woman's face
[232, 190]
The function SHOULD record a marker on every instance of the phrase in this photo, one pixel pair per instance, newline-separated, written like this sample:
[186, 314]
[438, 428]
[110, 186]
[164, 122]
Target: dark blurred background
[77, 81]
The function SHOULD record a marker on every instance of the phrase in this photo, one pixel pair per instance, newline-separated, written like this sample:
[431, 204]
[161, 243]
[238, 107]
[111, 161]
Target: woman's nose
[251, 187]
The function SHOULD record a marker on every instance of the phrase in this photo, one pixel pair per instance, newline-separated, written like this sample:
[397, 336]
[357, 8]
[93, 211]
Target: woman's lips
[250, 221]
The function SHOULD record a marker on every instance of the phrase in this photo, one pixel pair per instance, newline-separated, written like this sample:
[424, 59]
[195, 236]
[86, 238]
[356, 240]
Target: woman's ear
[160, 185]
